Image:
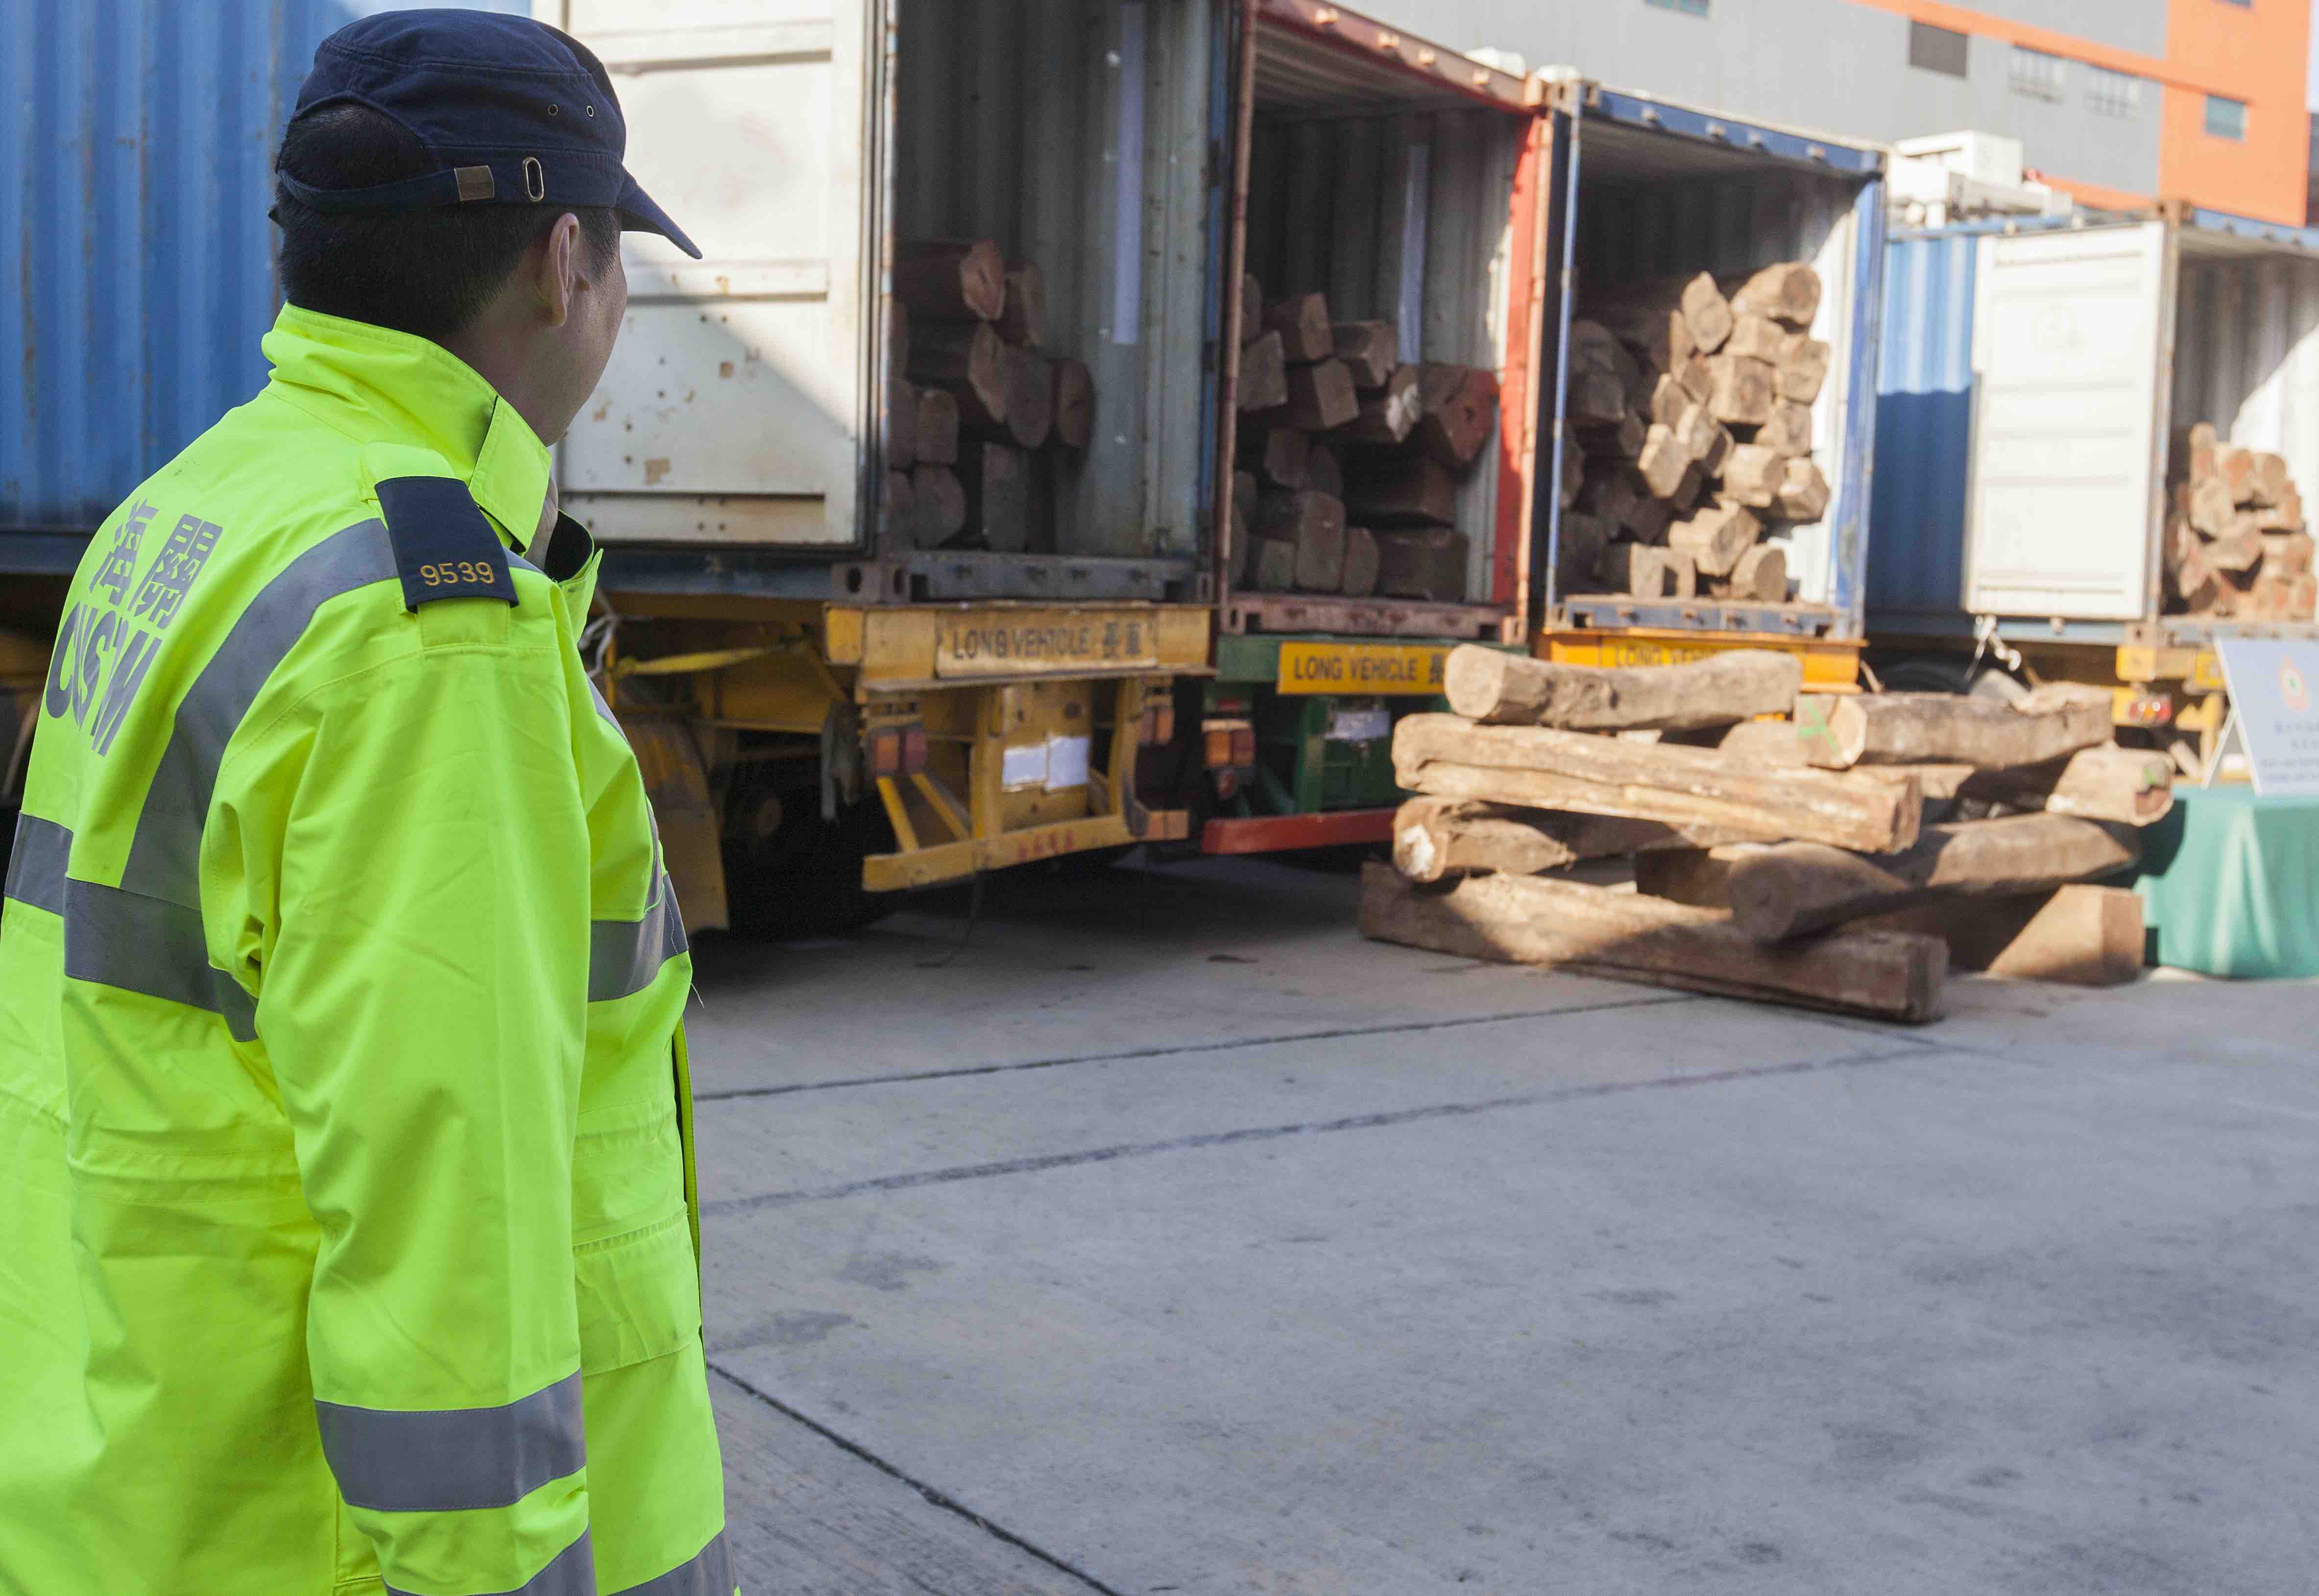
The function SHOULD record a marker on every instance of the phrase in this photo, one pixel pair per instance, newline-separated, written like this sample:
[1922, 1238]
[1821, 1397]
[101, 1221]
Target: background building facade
[2119, 101]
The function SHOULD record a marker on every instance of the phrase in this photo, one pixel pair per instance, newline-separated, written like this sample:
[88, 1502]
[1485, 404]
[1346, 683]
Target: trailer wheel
[790, 873]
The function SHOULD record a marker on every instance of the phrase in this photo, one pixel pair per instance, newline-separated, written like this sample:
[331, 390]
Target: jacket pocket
[638, 1294]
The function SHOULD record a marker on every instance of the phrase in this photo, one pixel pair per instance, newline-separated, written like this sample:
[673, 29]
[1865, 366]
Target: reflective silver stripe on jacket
[36, 866]
[165, 857]
[710, 1573]
[572, 1572]
[625, 955]
[455, 1460]
[123, 940]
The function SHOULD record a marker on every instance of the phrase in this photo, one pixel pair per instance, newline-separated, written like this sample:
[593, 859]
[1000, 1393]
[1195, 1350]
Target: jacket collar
[383, 387]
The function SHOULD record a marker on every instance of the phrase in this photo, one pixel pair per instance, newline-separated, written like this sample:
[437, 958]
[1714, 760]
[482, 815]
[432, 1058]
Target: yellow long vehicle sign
[1361, 668]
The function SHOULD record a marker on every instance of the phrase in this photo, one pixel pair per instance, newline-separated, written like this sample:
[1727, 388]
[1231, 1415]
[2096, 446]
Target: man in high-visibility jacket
[350, 1237]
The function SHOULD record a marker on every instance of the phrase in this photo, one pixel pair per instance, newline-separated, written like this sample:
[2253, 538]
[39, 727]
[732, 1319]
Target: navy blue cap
[517, 112]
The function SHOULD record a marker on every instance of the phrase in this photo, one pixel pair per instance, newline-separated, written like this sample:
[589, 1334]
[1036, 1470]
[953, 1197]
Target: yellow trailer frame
[970, 722]
[1831, 664]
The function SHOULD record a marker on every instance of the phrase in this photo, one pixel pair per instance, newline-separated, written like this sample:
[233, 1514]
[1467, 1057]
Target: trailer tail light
[897, 750]
[1228, 745]
[2148, 709]
[1159, 725]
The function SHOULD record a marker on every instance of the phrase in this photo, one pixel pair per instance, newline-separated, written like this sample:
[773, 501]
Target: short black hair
[427, 272]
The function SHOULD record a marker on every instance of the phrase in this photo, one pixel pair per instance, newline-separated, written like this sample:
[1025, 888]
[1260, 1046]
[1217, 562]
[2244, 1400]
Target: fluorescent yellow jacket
[345, 1161]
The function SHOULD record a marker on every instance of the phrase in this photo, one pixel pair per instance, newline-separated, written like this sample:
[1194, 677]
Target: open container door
[735, 407]
[2072, 334]
[1660, 190]
[1403, 180]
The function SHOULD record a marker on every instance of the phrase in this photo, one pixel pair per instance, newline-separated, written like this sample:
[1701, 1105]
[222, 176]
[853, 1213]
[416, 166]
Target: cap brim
[639, 214]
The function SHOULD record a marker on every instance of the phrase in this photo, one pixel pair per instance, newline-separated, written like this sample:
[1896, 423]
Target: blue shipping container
[1924, 425]
[133, 240]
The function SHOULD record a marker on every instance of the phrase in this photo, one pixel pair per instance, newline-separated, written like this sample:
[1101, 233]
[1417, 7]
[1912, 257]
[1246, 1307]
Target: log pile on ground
[1349, 462]
[1836, 852]
[2236, 547]
[977, 411]
[1691, 407]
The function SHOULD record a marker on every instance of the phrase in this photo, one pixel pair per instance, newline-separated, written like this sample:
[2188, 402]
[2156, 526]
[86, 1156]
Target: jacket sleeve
[421, 996]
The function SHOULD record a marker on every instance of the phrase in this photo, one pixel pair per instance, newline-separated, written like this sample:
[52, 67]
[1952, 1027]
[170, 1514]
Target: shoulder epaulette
[444, 547]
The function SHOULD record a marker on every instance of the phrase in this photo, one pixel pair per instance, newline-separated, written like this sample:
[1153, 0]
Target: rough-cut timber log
[1428, 564]
[1789, 432]
[2234, 469]
[1263, 375]
[1370, 350]
[1803, 491]
[2130, 786]
[1542, 920]
[1579, 552]
[970, 360]
[1030, 398]
[1753, 476]
[1320, 396]
[1622, 442]
[1740, 390]
[1640, 569]
[2287, 553]
[1302, 321]
[1669, 402]
[1782, 889]
[1684, 570]
[1596, 398]
[2286, 515]
[1662, 460]
[1541, 768]
[952, 279]
[2237, 547]
[1277, 454]
[1498, 688]
[2081, 935]
[1314, 524]
[1804, 361]
[1697, 375]
[1701, 435]
[1074, 404]
[2212, 509]
[1360, 577]
[901, 426]
[1389, 415]
[1937, 728]
[1715, 537]
[1788, 292]
[1276, 565]
[1760, 576]
[1435, 838]
[1401, 490]
[1023, 318]
[937, 426]
[998, 479]
[1461, 405]
[1574, 467]
[1707, 313]
[1610, 492]
[1758, 338]
[1648, 521]
[940, 513]
[1324, 473]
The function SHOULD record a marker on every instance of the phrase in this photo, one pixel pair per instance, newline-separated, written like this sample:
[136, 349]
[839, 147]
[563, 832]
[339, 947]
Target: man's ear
[560, 269]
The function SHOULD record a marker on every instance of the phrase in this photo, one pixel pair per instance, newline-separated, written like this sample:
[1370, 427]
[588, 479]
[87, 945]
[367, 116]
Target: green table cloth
[2230, 884]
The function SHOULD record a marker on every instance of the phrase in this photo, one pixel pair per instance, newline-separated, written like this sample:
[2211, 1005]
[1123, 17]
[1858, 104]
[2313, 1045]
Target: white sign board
[2275, 698]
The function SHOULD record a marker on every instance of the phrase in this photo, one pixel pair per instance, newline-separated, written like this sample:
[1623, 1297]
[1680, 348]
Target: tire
[804, 877]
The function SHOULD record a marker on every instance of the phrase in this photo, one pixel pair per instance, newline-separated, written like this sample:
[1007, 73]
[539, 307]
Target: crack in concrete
[933, 1496]
[730, 1206]
[1606, 1005]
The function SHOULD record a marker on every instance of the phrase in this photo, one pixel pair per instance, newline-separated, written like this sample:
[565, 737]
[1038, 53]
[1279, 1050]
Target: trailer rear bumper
[1278, 834]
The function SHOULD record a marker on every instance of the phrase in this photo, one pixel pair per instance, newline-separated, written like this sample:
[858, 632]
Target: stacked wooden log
[976, 409]
[1349, 462]
[1843, 855]
[1690, 405]
[2236, 547]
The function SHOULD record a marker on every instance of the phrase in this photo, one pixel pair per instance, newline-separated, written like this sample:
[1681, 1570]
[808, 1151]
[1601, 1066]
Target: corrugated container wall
[1924, 424]
[136, 262]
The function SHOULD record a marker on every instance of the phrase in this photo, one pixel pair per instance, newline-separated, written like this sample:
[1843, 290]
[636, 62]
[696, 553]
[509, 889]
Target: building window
[2037, 75]
[2112, 93]
[1688, 7]
[2226, 119]
[1936, 50]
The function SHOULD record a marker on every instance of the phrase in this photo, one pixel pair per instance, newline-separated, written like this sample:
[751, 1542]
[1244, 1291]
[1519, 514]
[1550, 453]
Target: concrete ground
[1163, 1236]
